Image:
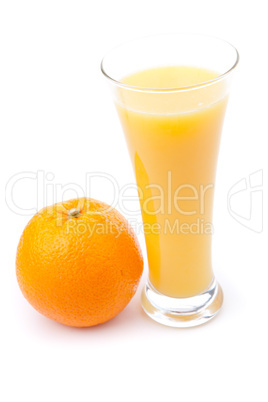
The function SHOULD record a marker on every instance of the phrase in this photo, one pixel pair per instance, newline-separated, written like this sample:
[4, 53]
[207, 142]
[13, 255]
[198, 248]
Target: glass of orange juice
[171, 93]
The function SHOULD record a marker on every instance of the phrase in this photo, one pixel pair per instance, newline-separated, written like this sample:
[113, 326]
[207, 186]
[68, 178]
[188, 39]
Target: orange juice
[173, 139]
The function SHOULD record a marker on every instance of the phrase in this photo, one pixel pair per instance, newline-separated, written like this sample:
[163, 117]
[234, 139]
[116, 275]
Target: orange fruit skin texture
[80, 271]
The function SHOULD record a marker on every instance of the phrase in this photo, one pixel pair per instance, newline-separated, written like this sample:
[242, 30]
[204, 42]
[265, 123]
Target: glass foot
[182, 312]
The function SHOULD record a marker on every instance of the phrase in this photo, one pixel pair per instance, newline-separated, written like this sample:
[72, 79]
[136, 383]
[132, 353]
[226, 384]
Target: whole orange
[79, 262]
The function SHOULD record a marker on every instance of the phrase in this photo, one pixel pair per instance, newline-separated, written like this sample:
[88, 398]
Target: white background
[57, 117]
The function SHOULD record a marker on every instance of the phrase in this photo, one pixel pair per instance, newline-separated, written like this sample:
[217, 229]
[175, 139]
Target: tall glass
[171, 93]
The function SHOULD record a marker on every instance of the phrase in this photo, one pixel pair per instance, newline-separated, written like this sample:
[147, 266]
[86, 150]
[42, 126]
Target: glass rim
[174, 89]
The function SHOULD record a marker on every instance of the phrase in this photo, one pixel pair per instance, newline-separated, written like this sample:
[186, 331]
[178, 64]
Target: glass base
[182, 312]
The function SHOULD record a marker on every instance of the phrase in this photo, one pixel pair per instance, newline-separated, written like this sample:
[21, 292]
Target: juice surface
[173, 140]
